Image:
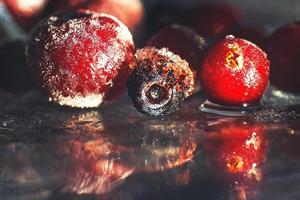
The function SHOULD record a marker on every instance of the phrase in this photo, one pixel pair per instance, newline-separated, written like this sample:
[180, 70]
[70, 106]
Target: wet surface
[58, 153]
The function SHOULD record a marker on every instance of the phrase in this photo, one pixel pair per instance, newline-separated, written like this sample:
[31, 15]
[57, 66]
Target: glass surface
[58, 153]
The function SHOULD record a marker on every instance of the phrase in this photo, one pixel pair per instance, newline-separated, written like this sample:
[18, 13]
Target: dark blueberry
[160, 82]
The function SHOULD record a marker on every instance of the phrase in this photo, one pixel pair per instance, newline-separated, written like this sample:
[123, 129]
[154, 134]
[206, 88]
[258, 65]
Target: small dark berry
[160, 82]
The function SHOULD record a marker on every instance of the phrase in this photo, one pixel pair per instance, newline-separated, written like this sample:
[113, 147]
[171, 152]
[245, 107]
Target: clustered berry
[81, 58]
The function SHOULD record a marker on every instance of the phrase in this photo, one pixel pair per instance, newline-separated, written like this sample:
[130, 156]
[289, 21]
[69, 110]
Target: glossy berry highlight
[235, 72]
[160, 81]
[78, 57]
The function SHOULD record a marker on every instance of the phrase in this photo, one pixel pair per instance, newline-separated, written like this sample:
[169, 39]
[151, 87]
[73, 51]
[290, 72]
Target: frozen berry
[183, 41]
[237, 148]
[78, 56]
[15, 75]
[214, 20]
[26, 12]
[283, 49]
[130, 12]
[160, 82]
[235, 72]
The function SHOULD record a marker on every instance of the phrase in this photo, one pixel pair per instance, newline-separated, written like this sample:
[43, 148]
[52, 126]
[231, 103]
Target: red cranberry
[235, 72]
[237, 149]
[160, 82]
[183, 41]
[130, 12]
[214, 20]
[284, 51]
[26, 12]
[15, 75]
[78, 56]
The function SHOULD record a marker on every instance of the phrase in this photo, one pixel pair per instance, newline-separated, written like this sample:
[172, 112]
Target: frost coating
[160, 82]
[79, 101]
[78, 56]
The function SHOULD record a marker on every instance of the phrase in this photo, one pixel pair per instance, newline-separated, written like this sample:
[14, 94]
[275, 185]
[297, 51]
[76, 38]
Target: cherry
[26, 12]
[214, 20]
[235, 72]
[183, 41]
[130, 12]
[283, 48]
[78, 56]
[15, 75]
[160, 82]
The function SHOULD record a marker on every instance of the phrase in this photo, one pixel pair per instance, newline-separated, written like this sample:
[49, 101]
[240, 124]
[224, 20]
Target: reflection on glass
[93, 167]
[92, 163]
[166, 145]
[238, 150]
[18, 175]
[277, 97]
[89, 122]
[183, 178]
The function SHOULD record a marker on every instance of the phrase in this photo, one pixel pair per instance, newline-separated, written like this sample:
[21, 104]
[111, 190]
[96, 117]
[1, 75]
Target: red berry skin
[283, 49]
[214, 20]
[235, 72]
[130, 12]
[78, 56]
[182, 41]
[26, 12]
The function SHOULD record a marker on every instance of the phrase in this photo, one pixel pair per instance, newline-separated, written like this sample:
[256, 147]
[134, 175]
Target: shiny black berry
[160, 82]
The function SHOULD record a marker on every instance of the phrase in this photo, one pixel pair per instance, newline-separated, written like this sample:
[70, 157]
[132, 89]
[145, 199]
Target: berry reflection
[167, 145]
[93, 167]
[238, 151]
